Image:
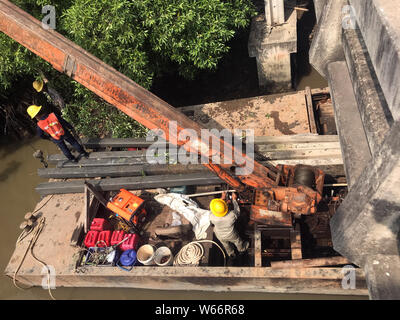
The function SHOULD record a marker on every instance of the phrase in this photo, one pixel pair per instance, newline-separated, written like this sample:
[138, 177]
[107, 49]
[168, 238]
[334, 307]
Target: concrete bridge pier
[272, 41]
[356, 48]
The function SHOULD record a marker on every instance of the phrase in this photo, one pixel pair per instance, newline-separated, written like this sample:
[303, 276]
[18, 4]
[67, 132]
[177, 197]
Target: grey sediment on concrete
[379, 25]
[355, 150]
[374, 111]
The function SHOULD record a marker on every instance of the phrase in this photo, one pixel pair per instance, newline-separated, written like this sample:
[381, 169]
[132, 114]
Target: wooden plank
[298, 146]
[86, 205]
[307, 263]
[257, 247]
[81, 225]
[97, 194]
[301, 154]
[89, 210]
[310, 110]
[301, 138]
[328, 161]
[295, 243]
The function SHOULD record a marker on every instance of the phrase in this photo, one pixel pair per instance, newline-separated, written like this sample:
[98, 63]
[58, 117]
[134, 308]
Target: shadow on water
[306, 75]
[9, 146]
[10, 169]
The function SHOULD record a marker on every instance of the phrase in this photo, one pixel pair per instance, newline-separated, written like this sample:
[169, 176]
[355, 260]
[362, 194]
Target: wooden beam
[257, 247]
[307, 263]
[295, 243]
[310, 110]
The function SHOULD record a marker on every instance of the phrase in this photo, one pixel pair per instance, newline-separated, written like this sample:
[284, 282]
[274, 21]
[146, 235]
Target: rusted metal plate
[262, 215]
[271, 115]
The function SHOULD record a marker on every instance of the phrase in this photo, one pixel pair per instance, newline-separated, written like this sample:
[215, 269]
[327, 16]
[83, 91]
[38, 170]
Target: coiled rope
[31, 245]
[193, 252]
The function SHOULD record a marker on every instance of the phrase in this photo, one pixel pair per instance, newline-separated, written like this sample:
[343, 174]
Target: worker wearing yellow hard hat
[33, 111]
[224, 224]
[38, 85]
[219, 207]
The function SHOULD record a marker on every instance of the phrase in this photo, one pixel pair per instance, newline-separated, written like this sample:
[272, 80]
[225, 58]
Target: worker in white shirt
[224, 224]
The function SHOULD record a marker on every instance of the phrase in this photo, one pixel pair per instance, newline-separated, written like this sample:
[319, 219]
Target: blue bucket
[127, 259]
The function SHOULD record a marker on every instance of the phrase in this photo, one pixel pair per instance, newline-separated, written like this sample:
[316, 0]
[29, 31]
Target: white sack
[199, 218]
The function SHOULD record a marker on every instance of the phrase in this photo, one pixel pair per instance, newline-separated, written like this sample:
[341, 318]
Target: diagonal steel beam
[123, 93]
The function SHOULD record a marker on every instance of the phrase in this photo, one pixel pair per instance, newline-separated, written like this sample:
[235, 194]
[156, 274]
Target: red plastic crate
[99, 224]
[91, 239]
[117, 237]
[131, 243]
[104, 239]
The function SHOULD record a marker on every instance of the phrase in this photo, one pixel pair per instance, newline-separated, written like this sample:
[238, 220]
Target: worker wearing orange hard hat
[224, 220]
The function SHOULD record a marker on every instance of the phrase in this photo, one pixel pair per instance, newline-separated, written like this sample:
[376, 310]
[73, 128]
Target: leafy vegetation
[143, 39]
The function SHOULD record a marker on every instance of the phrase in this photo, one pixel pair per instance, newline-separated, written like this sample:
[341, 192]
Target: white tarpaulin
[199, 218]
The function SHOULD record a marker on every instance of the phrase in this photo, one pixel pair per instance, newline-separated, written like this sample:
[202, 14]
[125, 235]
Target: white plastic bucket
[145, 255]
[163, 256]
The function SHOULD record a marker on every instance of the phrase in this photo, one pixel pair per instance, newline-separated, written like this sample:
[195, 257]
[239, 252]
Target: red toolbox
[99, 224]
[117, 237]
[104, 239]
[131, 243]
[91, 239]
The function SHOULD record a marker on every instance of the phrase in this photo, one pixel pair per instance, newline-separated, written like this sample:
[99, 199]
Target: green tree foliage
[141, 38]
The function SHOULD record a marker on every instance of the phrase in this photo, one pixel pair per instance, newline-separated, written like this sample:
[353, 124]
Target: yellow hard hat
[218, 207]
[38, 85]
[34, 110]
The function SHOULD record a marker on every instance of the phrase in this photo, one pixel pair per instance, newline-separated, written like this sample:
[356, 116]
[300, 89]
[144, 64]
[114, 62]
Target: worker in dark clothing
[55, 128]
[45, 94]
